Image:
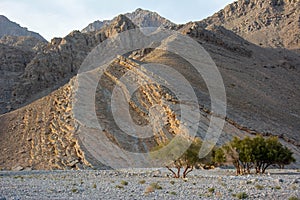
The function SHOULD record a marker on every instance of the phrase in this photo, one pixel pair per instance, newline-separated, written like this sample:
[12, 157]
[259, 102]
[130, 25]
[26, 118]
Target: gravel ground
[136, 184]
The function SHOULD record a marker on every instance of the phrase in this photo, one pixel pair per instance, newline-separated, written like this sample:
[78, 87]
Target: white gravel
[280, 184]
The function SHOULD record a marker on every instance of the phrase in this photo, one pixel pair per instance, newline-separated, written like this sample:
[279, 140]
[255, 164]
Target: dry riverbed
[148, 184]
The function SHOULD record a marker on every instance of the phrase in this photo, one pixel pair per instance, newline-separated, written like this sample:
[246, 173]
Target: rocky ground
[148, 184]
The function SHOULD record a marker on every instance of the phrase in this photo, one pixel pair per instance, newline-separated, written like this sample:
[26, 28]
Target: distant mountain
[272, 23]
[10, 28]
[140, 17]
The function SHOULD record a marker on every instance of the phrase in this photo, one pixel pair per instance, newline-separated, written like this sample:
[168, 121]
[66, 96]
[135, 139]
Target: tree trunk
[237, 167]
[175, 175]
[187, 170]
[264, 168]
[178, 172]
[258, 168]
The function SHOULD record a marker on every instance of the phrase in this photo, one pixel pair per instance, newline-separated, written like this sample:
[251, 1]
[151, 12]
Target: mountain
[140, 17]
[40, 129]
[273, 23]
[10, 28]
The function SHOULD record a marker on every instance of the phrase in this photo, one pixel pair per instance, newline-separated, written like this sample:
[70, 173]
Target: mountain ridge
[140, 17]
[9, 28]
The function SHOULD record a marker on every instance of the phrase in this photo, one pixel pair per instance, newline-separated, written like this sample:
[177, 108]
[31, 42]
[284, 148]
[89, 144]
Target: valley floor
[136, 184]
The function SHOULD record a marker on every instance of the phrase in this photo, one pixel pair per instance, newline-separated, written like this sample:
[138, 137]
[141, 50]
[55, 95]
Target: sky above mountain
[56, 18]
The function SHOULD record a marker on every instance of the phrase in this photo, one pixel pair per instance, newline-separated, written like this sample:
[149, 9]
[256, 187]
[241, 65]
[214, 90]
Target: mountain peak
[140, 17]
[139, 10]
[122, 18]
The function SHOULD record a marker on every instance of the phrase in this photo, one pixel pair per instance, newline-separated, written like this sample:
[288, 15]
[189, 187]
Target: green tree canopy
[257, 152]
[174, 158]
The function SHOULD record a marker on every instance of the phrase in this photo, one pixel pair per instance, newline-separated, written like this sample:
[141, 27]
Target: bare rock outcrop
[269, 23]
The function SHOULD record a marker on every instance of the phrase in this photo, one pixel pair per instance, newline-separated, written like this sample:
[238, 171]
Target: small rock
[166, 174]
[156, 173]
[79, 166]
[296, 181]
[73, 163]
[279, 180]
[27, 169]
[17, 168]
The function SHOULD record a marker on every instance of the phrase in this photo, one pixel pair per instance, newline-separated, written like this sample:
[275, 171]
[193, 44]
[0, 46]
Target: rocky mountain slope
[260, 83]
[18, 47]
[140, 17]
[10, 28]
[56, 63]
[25, 43]
[41, 136]
[15, 53]
[261, 86]
[268, 23]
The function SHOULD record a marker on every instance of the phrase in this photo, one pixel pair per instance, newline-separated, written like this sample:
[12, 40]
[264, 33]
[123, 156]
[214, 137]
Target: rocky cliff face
[268, 23]
[140, 17]
[10, 28]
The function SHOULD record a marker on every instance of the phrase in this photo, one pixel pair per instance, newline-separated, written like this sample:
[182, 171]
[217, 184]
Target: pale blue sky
[56, 18]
